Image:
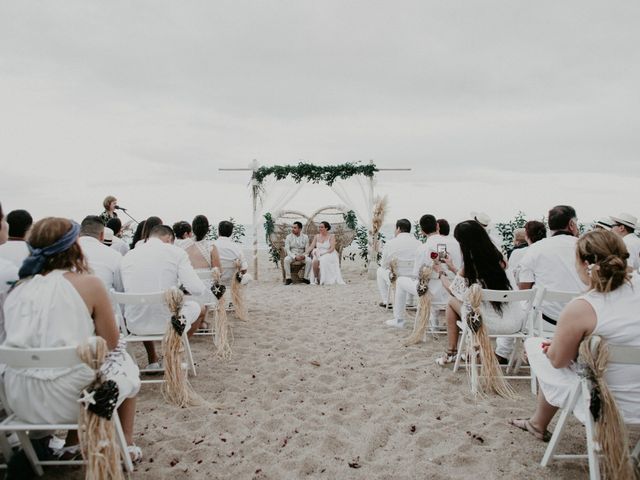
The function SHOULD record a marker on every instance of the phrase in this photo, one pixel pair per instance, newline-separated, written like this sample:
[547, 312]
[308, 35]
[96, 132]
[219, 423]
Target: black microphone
[118, 207]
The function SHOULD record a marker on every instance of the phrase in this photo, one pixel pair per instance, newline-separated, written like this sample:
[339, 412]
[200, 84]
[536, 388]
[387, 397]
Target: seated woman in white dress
[203, 255]
[483, 264]
[608, 309]
[325, 267]
[58, 303]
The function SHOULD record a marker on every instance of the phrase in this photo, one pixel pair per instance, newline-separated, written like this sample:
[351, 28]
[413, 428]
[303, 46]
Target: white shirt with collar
[229, 251]
[153, 267]
[633, 246]
[295, 245]
[103, 261]
[403, 247]
[14, 251]
[551, 263]
[119, 246]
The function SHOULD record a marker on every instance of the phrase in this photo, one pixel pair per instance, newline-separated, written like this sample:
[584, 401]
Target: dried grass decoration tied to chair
[220, 323]
[96, 432]
[610, 432]
[176, 388]
[237, 293]
[490, 379]
[424, 307]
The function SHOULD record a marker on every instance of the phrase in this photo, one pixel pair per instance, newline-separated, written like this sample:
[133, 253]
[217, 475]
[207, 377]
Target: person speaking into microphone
[110, 204]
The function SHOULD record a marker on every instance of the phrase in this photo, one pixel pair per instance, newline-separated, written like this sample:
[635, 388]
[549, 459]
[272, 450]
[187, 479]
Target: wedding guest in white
[326, 264]
[608, 309]
[625, 226]
[156, 266]
[604, 223]
[183, 233]
[117, 243]
[203, 256]
[551, 262]
[534, 231]
[149, 224]
[402, 247]
[8, 271]
[483, 264]
[15, 249]
[230, 251]
[519, 240]
[295, 247]
[58, 303]
[103, 261]
[445, 250]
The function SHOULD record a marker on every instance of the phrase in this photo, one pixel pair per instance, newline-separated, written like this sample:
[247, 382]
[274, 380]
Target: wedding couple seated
[438, 248]
[320, 257]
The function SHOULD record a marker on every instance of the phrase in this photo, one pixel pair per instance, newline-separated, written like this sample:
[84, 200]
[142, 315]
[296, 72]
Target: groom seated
[295, 246]
[403, 248]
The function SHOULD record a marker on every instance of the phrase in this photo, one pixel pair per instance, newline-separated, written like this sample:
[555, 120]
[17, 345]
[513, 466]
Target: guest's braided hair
[606, 255]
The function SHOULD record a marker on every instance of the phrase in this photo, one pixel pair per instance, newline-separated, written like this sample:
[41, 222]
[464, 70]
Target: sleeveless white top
[47, 311]
[618, 322]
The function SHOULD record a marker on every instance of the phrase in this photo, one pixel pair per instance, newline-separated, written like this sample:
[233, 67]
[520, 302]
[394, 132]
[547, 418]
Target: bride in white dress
[326, 266]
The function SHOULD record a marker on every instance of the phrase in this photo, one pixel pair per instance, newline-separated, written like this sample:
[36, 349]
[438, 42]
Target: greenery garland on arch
[315, 173]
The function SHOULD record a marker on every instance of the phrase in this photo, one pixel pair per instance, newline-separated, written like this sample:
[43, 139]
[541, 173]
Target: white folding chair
[206, 276]
[46, 358]
[619, 355]
[148, 299]
[553, 296]
[502, 296]
[404, 268]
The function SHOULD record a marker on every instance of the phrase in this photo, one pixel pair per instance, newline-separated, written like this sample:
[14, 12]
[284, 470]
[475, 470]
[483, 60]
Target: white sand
[371, 403]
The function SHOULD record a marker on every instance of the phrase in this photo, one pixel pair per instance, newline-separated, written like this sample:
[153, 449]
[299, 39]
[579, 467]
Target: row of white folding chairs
[45, 358]
[532, 326]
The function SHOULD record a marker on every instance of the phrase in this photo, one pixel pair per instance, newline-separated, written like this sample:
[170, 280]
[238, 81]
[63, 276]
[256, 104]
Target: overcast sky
[496, 106]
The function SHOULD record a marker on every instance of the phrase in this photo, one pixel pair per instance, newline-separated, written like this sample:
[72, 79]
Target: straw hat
[604, 222]
[108, 236]
[625, 219]
[482, 218]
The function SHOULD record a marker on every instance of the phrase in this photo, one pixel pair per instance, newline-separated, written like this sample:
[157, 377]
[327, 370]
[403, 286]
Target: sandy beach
[317, 387]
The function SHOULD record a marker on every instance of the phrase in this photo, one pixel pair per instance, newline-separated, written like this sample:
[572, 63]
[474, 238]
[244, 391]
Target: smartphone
[442, 251]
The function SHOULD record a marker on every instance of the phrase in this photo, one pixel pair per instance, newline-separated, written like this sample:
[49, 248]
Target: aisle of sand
[317, 387]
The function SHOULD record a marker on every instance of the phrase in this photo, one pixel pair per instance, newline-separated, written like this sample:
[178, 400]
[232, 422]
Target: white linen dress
[617, 323]
[329, 264]
[47, 311]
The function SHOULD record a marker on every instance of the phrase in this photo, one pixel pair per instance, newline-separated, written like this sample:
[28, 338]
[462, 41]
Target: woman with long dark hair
[485, 265]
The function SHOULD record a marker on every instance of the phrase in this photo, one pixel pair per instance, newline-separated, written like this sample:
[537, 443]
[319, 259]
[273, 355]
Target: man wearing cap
[625, 226]
[603, 223]
[484, 220]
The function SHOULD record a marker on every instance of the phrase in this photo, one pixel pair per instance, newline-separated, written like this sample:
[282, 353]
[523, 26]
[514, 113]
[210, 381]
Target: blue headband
[34, 263]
